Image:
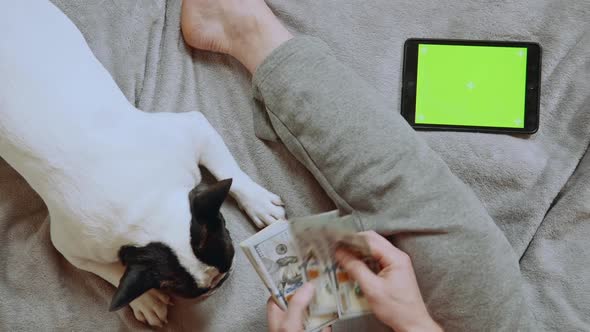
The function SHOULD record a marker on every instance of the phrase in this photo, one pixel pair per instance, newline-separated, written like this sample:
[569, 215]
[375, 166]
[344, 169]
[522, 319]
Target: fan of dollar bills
[289, 253]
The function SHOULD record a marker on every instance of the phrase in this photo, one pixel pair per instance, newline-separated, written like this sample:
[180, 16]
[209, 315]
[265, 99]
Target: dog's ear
[138, 277]
[136, 281]
[206, 201]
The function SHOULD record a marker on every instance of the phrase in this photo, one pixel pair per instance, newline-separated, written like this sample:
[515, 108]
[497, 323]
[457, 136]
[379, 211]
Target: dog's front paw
[151, 308]
[262, 206]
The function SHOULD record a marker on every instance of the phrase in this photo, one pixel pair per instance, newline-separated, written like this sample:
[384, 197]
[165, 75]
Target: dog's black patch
[152, 266]
[210, 240]
[156, 266]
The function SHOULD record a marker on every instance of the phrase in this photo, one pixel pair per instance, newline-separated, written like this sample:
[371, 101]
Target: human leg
[372, 163]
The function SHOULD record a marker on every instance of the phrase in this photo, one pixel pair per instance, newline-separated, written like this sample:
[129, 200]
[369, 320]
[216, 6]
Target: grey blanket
[537, 188]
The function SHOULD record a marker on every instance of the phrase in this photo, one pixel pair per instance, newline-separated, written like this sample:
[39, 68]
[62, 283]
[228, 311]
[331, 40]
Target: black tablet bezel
[533, 85]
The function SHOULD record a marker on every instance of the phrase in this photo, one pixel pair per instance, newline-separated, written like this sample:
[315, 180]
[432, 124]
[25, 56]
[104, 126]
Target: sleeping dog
[121, 185]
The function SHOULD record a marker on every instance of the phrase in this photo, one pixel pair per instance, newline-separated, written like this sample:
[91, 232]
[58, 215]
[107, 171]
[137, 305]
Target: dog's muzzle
[217, 282]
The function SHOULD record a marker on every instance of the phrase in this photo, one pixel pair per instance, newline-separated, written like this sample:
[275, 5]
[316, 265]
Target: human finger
[356, 269]
[383, 250]
[274, 315]
[298, 308]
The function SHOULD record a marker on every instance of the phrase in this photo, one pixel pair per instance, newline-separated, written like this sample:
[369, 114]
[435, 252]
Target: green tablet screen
[471, 85]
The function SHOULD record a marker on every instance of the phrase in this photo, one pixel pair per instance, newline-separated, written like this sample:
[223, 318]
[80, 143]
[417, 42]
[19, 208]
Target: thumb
[298, 307]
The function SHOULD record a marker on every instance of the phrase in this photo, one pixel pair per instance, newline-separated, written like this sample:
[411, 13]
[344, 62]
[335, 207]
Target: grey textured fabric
[371, 163]
[556, 265]
[516, 178]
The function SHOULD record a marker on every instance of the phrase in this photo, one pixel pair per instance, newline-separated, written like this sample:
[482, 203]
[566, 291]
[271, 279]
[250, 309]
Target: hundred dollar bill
[310, 233]
[325, 298]
[324, 233]
[351, 300]
[271, 252]
[318, 267]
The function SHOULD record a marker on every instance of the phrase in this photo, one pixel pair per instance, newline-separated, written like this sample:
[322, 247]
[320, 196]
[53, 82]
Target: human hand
[393, 293]
[292, 319]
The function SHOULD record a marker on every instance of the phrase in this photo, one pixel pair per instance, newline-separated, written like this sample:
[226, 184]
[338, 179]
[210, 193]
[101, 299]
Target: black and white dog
[121, 185]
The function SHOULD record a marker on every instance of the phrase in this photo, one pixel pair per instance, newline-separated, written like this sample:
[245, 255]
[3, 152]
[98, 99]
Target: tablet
[465, 85]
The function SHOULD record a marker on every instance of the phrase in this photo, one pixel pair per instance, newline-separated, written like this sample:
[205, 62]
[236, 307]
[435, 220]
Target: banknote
[272, 253]
[318, 266]
[288, 253]
[323, 234]
[265, 251]
[351, 300]
[314, 233]
[325, 298]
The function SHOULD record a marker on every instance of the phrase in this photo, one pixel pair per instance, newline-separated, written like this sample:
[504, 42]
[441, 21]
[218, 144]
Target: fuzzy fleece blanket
[536, 188]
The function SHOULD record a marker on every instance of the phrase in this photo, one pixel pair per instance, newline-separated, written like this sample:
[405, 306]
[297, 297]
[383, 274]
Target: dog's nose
[215, 284]
[218, 279]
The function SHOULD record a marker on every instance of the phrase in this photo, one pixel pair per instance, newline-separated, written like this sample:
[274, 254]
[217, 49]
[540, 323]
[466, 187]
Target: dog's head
[157, 265]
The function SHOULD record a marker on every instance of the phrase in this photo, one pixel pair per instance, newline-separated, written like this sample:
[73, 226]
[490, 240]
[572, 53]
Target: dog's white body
[95, 160]
[109, 174]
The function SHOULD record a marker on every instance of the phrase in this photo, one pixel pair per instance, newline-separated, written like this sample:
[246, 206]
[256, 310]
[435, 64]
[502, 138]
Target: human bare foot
[245, 29]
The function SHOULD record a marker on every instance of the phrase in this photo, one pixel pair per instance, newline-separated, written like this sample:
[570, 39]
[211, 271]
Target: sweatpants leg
[371, 162]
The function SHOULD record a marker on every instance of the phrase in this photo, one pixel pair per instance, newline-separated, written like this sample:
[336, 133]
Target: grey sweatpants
[371, 162]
